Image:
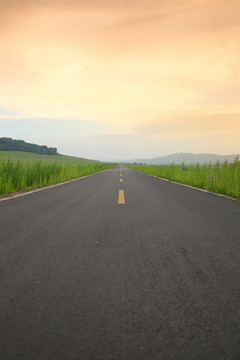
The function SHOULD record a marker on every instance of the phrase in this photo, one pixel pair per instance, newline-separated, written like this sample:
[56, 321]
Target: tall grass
[16, 176]
[218, 178]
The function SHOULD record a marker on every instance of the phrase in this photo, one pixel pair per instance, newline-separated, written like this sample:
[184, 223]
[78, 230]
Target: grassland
[25, 157]
[218, 178]
[20, 171]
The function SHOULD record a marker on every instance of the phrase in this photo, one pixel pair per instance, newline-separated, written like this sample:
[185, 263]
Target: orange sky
[121, 79]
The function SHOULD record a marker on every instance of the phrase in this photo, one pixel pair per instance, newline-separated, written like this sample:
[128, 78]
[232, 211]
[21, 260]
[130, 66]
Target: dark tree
[8, 144]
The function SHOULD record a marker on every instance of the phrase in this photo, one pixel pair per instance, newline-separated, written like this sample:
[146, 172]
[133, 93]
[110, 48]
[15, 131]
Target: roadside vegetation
[25, 171]
[219, 178]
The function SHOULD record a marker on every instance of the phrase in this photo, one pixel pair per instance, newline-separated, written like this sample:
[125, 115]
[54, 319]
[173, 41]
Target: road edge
[188, 186]
[49, 187]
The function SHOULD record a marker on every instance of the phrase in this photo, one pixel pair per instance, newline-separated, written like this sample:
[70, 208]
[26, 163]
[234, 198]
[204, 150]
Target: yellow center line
[121, 197]
[121, 180]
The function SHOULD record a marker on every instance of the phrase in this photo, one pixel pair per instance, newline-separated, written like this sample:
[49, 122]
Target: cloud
[129, 15]
[190, 126]
[7, 111]
[146, 69]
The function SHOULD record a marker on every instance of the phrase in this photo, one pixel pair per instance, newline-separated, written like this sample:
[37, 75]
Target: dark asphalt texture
[85, 278]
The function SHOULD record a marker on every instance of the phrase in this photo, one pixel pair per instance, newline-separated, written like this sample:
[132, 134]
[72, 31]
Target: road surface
[120, 265]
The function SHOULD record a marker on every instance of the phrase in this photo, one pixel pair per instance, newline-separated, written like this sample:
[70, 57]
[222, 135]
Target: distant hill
[8, 144]
[187, 158]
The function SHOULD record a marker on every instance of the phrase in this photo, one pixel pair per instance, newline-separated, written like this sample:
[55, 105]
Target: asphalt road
[156, 276]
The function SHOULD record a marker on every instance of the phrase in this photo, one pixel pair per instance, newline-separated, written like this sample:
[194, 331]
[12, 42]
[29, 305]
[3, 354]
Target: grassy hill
[29, 157]
[9, 144]
[187, 158]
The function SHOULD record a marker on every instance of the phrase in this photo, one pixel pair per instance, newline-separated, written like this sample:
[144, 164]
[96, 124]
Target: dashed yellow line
[121, 197]
[121, 180]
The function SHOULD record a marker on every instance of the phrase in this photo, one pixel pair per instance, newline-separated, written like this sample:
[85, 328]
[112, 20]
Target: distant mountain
[9, 144]
[187, 158]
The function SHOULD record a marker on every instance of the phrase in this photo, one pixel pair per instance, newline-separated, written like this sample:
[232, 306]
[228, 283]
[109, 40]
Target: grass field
[218, 178]
[29, 157]
[20, 171]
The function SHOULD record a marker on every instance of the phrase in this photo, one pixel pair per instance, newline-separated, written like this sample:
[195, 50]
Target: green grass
[20, 171]
[29, 157]
[222, 179]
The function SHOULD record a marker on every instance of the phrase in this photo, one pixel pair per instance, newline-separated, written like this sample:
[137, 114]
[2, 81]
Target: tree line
[9, 144]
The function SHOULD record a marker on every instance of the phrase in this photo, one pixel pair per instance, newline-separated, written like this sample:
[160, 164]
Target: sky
[121, 79]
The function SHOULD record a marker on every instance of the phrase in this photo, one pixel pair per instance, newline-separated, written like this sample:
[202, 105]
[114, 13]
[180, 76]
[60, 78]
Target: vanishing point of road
[120, 265]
